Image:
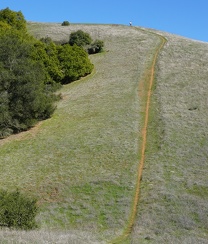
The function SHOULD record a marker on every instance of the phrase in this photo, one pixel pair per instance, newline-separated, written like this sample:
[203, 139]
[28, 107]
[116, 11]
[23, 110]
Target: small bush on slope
[83, 39]
[74, 63]
[17, 211]
[80, 38]
[65, 23]
[96, 47]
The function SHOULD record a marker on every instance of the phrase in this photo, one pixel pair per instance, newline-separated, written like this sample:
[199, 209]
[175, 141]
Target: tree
[31, 70]
[65, 23]
[24, 97]
[5, 115]
[29, 102]
[80, 38]
[4, 27]
[14, 19]
[45, 51]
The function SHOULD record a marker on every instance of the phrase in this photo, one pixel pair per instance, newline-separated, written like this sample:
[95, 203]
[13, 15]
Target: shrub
[17, 211]
[80, 38]
[65, 23]
[74, 63]
[96, 47]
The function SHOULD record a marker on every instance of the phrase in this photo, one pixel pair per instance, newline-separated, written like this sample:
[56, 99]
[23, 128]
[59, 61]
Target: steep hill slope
[174, 199]
[82, 163]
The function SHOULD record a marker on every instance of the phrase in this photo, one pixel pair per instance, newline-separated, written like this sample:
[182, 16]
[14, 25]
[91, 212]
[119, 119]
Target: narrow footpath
[151, 75]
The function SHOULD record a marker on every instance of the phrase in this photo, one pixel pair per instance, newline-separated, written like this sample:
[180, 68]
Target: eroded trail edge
[151, 75]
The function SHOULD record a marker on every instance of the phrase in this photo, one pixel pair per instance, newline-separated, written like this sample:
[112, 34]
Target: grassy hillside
[174, 198]
[82, 163]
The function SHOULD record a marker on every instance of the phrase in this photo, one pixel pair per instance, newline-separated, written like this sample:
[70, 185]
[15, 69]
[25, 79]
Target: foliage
[14, 19]
[83, 39]
[65, 23]
[24, 98]
[62, 63]
[96, 47]
[45, 51]
[74, 62]
[4, 27]
[30, 71]
[80, 38]
[17, 211]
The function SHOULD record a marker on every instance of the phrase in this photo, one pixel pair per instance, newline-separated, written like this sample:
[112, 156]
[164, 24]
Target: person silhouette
[130, 23]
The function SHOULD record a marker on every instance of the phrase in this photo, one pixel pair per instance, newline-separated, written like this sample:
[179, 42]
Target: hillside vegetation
[82, 162]
[31, 71]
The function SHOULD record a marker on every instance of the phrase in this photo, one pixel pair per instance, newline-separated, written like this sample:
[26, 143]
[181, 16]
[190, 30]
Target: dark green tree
[65, 23]
[80, 38]
[29, 102]
[24, 97]
[5, 115]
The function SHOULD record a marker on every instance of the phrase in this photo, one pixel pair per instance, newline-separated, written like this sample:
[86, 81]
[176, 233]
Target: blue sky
[187, 18]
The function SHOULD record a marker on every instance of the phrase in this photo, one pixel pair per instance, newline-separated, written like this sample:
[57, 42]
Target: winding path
[151, 75]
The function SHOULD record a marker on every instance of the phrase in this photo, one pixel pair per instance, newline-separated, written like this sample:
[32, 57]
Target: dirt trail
[151, 75]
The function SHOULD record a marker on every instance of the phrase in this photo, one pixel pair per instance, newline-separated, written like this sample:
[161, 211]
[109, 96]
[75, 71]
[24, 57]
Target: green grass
[173, 206]
[82, 163]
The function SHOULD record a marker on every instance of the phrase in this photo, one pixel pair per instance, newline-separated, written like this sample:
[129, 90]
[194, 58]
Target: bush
[17, 211]
[80, 38]
[96, 47]
[74, 63]
[65, 23]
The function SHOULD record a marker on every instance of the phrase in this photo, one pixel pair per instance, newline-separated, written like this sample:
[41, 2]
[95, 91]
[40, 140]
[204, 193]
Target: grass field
[82, 163]
[174, 199]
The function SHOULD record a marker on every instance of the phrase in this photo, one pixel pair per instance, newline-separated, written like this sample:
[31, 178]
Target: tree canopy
[80, 38]
[14, 19]
[23, 96]
[30, 71]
